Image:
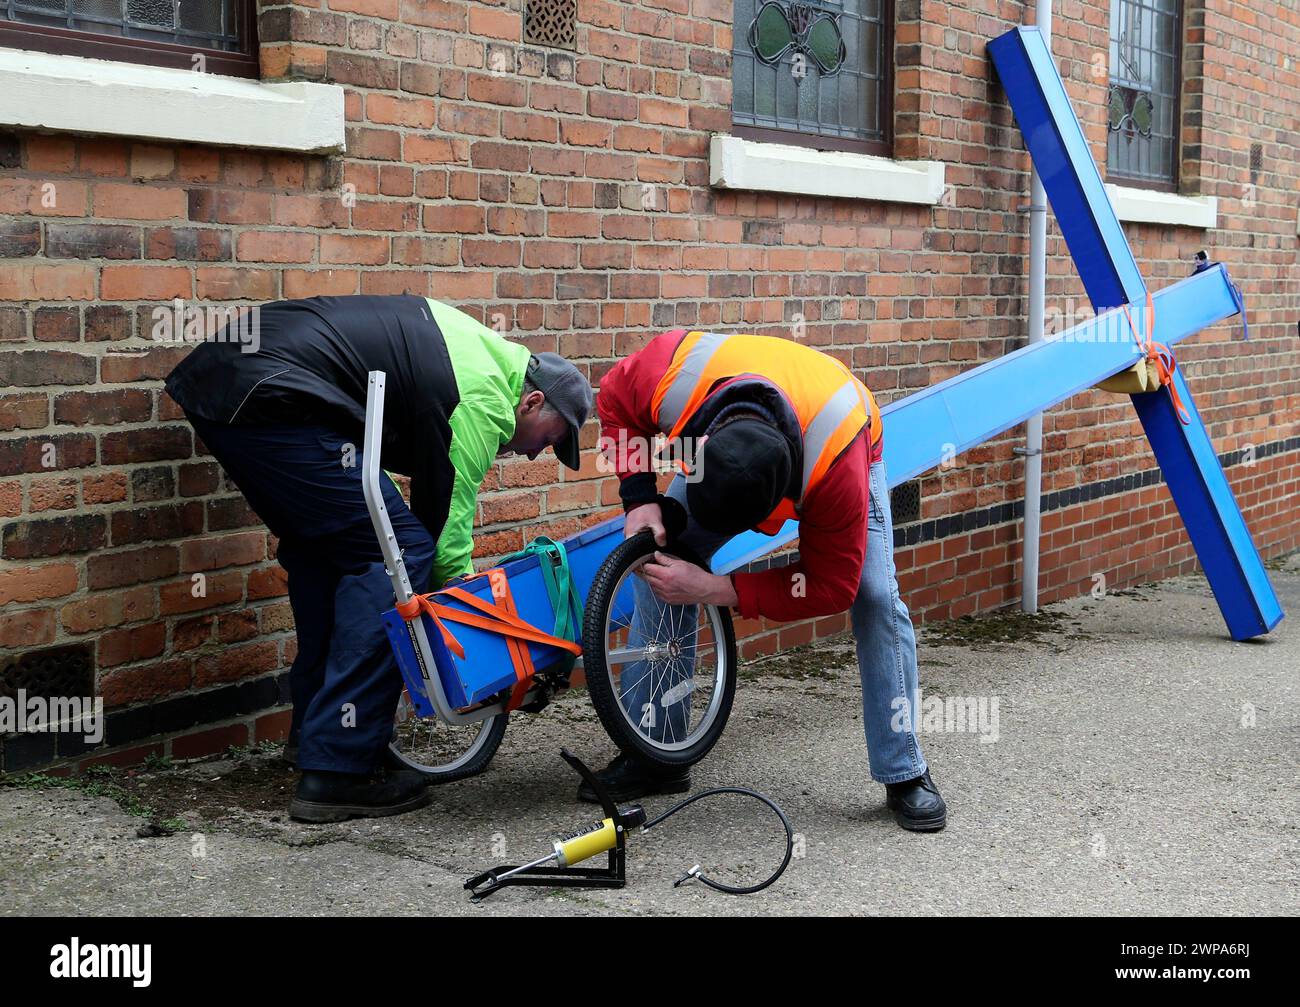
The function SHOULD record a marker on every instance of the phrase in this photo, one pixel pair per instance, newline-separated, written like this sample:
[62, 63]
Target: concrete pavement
[1125, 778]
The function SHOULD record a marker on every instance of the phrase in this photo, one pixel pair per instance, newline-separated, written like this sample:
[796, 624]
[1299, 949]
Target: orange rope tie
[418, 603]
[501, 618]
[1160, 355]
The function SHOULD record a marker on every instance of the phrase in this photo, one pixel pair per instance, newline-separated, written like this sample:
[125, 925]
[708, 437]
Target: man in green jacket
[286, 422]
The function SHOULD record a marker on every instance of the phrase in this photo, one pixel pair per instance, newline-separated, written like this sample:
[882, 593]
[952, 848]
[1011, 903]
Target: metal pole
[1033, 450]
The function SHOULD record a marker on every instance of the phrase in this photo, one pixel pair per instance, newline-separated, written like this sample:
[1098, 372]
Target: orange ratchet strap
[1160, 355]
[501, 617]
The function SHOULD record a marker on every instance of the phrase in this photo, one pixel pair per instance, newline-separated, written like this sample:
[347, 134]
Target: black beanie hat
[741, 474]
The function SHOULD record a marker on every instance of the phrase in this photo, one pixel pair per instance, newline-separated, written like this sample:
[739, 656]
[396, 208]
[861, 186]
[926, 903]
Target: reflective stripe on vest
[679, 392]
[837, 409]
[829, 429]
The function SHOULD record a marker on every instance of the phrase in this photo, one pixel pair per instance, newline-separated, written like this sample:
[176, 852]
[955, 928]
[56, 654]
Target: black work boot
[334, 797]
[627, 779]
[917, 804]
[290, 753]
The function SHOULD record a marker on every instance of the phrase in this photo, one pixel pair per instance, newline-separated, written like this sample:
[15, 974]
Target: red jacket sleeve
[627, 428]
[832, 547]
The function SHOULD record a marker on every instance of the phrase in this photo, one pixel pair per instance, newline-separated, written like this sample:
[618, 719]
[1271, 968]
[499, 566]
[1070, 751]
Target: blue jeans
[882, 629]
[344, 680]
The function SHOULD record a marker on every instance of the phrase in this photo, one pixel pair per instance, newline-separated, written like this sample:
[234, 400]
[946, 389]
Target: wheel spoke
[680, 658]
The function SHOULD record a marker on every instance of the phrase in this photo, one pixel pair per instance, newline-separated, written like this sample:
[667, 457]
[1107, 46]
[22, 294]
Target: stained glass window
[816, 70]
[200, 24]
[1142, 103]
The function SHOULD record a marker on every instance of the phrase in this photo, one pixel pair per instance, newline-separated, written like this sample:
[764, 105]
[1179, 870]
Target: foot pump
[610, 835]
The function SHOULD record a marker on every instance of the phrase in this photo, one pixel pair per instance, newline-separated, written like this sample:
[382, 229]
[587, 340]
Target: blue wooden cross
[947, 418]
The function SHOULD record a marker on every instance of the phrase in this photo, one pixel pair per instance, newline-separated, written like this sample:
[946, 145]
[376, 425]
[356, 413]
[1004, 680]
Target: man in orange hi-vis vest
[780, 430]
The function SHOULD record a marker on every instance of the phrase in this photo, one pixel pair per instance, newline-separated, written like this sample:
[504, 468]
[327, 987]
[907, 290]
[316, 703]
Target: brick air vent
[551, 23]
[905, 502]
[54, 672]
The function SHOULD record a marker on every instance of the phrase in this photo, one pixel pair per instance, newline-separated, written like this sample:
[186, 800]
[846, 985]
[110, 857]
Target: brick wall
[563, 197]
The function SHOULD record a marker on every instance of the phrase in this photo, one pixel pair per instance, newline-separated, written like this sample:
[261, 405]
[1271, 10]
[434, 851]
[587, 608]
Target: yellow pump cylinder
[575, 849]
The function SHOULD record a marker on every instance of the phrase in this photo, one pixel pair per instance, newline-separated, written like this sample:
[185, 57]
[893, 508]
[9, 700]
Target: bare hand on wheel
[679, 582]
[650, 516]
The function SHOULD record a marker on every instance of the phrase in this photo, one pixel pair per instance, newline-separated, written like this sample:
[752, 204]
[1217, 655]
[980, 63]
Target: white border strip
[736, 163]
[1147, 206]
[77, 95]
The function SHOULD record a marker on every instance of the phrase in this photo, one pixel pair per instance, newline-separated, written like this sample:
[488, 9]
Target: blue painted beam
[1109, 273]
[970, 408]
[1210, 513]
[1070, 177]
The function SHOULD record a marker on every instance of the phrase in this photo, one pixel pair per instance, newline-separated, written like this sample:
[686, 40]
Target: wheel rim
[668, 674]
[432, 745]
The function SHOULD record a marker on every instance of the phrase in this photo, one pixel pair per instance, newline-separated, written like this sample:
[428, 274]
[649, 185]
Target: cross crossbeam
[936, 424]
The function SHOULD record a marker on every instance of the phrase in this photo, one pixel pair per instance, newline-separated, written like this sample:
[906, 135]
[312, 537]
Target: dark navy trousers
[304, 482]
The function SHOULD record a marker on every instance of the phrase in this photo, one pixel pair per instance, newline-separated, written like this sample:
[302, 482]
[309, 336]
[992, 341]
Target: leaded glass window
[1145, 76]
[206, 24]
[813, 72]
[214, 36]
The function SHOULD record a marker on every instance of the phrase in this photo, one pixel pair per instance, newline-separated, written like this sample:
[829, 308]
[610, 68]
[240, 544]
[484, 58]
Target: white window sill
[77, 95]
[735, 163]
[1147, 206]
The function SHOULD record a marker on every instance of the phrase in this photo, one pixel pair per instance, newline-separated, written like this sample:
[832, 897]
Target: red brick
[99, 611]
[138, 202]
[24, 282]
[221, 589]
[120, 405]
[43, 197]
[394, 111]
[24, 411]
[227, 206]
[320, 282]
[363, 249]
[273, 726]
[212, 742]
[275, 246]
[235, 663]
[124, 646]
[37, 583]
[225, 283]
[434, 149]
[29, 628]
[211, 553]
[52, 494]
[107, 322]
[448, 15]
[191, 633]
[145, 283]
[495, 23]
[123, 759]
[152, 444]
[46, 454]
[269, 582]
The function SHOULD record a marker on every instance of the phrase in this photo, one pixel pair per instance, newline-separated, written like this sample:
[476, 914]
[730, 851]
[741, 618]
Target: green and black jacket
[452, 388]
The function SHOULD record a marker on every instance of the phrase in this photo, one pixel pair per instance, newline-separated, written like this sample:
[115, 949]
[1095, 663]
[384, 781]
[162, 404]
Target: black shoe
[627, 779]
[386, 761]
[335, 797]
[917, 804]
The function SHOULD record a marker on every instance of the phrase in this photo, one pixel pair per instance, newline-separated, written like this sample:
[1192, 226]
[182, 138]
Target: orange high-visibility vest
[831, 404]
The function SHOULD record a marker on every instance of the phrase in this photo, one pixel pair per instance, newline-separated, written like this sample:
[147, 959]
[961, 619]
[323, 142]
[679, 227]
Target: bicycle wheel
[441, 751]
[662, 684]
